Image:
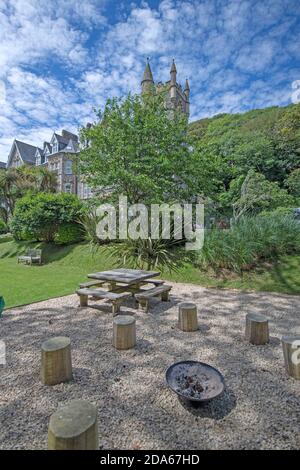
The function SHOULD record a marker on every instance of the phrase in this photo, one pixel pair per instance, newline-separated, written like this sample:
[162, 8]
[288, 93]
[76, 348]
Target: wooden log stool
[74, 427]
[291, 353]
[257, 328]
[187, 319]
[124, 332]
[56, 361]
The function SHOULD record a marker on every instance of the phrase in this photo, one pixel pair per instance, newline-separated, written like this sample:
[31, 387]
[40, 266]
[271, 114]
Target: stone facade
[57, 155]
[177, 97]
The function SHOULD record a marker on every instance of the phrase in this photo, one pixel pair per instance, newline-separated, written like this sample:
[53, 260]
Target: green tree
[257, 194]
[292, 183]
[137, 150]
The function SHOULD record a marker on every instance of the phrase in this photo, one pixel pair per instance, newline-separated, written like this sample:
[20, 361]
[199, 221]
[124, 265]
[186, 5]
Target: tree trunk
[74, 427]
[257, 329]
[56, 361]
[124, 332]
[188, 320]
[291, 353]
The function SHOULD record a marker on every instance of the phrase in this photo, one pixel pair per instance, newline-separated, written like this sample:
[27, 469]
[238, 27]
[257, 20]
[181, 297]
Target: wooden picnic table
[122, 282]
[128, 277]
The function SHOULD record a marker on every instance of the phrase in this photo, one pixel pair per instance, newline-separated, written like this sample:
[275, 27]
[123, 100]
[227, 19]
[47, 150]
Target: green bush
[39, 216]
[68, 234]
[3, 227]
[283, 211]
[249, 242]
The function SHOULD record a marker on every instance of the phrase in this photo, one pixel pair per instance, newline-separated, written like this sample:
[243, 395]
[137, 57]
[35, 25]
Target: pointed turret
[173, 72]
[187, 95]
[147, 80]
[187, 89]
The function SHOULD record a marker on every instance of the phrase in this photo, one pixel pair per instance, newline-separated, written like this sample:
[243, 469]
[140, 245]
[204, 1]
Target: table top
[124, 276]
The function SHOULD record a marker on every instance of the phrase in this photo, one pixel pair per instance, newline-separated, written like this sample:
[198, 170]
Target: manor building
[56, 155]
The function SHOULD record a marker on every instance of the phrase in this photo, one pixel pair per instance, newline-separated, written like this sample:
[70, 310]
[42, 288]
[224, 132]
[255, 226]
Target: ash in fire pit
[195, 381]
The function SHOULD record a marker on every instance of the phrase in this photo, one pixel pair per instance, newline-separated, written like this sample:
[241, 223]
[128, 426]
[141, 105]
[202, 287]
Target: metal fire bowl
[215, 380]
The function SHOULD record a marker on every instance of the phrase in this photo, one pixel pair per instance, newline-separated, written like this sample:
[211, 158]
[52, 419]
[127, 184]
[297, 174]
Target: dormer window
[55, 147]
[37, 158]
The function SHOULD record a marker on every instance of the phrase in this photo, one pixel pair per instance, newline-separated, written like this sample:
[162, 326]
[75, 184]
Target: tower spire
[187, 96]
[173, 72]
[147, 80]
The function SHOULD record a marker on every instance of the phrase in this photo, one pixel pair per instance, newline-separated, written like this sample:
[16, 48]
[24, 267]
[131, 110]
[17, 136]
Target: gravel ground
[260, 408]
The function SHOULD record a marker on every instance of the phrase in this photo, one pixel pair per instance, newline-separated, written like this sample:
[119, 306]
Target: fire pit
[195, 381]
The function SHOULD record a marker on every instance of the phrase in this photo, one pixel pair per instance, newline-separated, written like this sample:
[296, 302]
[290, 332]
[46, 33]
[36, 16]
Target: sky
[61, 59]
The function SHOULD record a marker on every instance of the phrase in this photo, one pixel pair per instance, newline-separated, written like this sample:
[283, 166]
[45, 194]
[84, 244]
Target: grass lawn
[65, 267]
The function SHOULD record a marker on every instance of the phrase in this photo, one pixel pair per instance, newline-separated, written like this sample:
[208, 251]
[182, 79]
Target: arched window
[68, 167]
[68, 188]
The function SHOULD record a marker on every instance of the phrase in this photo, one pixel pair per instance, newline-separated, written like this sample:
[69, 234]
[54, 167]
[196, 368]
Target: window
[55, 147]
[68, 167]
[68, 188]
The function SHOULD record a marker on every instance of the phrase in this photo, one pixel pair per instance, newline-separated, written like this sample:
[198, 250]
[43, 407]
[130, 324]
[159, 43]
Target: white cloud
[238, 54]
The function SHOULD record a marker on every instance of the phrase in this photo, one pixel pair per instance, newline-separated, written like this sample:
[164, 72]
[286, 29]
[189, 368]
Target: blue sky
[61, 58]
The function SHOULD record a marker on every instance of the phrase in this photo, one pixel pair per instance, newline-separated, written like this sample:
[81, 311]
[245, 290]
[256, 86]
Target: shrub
[3, 227]
[89, 222]
[39, 216]
[250, 241]
[283, 211]
[68, 234]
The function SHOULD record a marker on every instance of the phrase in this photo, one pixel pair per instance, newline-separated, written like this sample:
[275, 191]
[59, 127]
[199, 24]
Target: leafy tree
[257, 194]
[292, 183]
[138, 151]
[39, 216]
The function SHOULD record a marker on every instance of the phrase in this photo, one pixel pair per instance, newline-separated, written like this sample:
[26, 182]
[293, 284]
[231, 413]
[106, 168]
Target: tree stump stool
[56, 361]
[74, 427]
[124, 332]
[291, 353]
[257, 328]
[187, 319]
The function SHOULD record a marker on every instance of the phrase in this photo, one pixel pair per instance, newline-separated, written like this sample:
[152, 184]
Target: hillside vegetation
[265, 141]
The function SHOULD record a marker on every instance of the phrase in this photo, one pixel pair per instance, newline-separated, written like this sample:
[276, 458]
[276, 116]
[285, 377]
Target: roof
[26, 151]
[187, 86]
[2, 165]
[173, 67]
[61, 139]
[147, 73]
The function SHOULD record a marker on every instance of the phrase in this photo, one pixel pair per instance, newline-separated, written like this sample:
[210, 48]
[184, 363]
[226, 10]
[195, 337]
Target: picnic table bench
[82, 285]
[115, 298]
[144, 297]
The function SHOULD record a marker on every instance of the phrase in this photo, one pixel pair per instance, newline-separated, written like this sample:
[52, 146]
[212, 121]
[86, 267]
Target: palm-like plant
[9, 184]
[15, 182]
[148, 254]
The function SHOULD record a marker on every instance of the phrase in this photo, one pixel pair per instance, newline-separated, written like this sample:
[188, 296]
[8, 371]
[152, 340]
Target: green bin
[2, 305]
